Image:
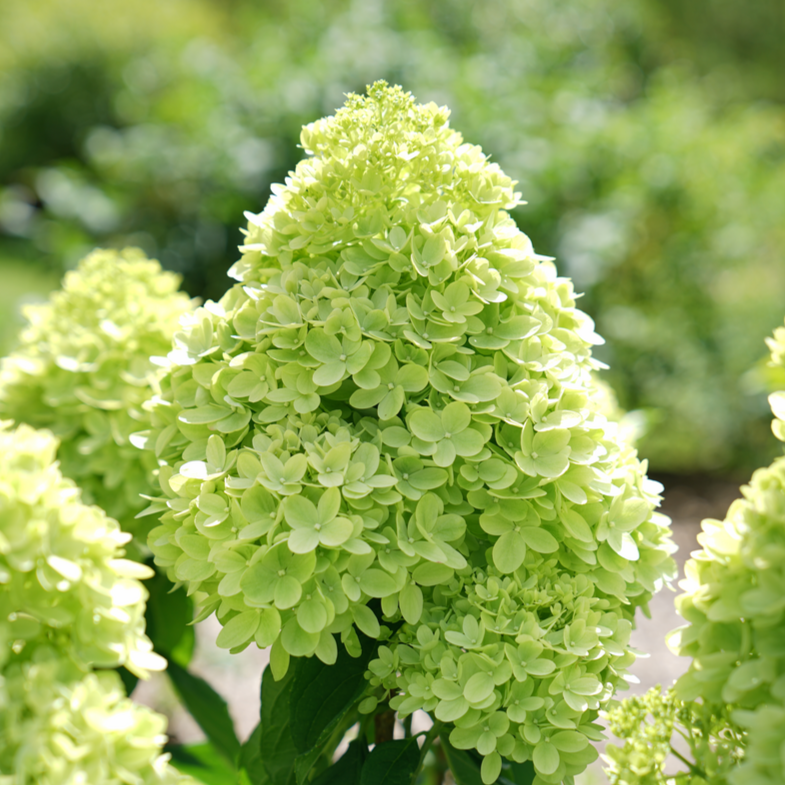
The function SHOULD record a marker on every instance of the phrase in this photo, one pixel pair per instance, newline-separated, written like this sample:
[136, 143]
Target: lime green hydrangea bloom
[69, 603]
[63, 581]
[84, 731]
[648, 724]
[736, 622]
[83, 369]
[396, 402]
[734, 606]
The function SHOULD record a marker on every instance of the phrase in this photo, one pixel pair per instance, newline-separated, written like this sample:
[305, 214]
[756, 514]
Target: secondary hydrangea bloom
[63, 583]
[84, 731]
[649, 724]
[83, 370]
[396, 402]
[69, 602]
[734, 607]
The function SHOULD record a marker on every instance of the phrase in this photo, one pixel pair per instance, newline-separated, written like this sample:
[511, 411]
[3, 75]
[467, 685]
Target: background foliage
[647, 138]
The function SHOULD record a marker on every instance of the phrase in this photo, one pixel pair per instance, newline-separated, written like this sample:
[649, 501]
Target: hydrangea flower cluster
[396, 402]
[83, 370]
[69, 602]
[731, 701]
[63, 582]
[733, 604]
[85, 731]
[648, 724]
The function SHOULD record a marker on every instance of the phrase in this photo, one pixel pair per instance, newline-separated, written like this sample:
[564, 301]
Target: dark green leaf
[465, 770]
[250, 760]
[520, 773]
[348, 769]
[322, 694]
[204, 763]
[169, 614]
[208, 708]
[129, 680]
[465, 767]
[305, 762]
[276, 745]
[391, 763]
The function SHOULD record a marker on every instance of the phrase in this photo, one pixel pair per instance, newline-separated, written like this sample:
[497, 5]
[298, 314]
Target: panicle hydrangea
[397, 402]
[83, 731]
[69, 602]
[649, 724]
[730, 705]
[63, 583]
[83, 370]
[735, 609]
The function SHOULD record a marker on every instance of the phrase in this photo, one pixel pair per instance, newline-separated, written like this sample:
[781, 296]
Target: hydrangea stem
[384, 724]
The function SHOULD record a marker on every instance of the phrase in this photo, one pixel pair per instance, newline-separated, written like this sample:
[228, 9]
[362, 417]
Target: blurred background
[648, 138]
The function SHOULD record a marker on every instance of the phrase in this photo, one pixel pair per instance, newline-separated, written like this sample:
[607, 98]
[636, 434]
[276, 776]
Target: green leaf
[539, 540]
[329, 504]
[129, 680]
[296, 641]
[298, 512]
[391, 404]
[431, 574]
[302, 541]
[322, 347]
[483, 388]
[250, 760]
[412, 378]
[312, 616]
[428, 479]
[348, 769]
[465, 770]
[546, 757]
[456, 417]
[366, 620]
[520, 774]
[288, 591]
[509, 552]
[204, 763]
[208, 708]
[491, 767]
[465, 767]
[411, 602]
[330, 374]
[378, 583]
[276, 745]
[204, 415]
[323, 694]
[633, 513]
[238, 630]
[478, 688]
[391, 763]
[425, 424]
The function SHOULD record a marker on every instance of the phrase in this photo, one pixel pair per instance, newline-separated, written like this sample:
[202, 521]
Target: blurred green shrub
[157, 126]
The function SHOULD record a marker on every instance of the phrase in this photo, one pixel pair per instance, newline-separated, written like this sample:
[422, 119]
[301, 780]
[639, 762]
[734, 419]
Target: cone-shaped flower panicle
[734, 606]
[396, 402]
[63, 582]
[86, 731]
[69, 603]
